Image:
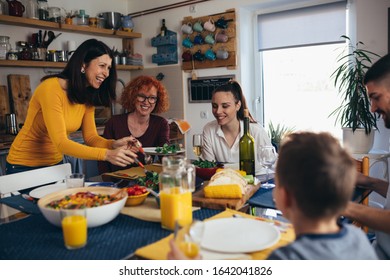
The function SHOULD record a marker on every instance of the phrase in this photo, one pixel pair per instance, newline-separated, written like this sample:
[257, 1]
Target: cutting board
[20, 94]
[199, 200]
[4, 107]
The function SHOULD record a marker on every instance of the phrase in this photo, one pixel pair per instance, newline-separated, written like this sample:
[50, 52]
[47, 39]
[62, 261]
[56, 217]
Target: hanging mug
[221, 23]
[186, 56]
[209, 25]
[222, 54]
[199, 56]
[186, 28]
[187, 43]
[210, 55]
[221, 37]
[209, 39]
[198, 26]
[198, 40]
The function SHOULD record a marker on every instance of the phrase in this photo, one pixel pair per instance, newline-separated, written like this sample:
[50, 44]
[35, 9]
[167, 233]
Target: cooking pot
[113, 20]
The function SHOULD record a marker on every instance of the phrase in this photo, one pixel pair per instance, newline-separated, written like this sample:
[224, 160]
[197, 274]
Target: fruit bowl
[136, 195]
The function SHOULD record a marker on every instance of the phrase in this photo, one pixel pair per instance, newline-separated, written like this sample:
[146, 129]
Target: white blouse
[215, 146]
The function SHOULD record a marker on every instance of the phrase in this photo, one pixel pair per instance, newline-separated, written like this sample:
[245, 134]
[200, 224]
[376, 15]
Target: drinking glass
[197, 144]
[74, 227]
[189, 237]
[268, 158]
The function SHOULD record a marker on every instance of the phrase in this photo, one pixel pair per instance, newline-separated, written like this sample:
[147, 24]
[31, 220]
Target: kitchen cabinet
[126, 36]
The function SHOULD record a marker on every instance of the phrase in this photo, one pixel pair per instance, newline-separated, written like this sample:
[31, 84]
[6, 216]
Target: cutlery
[281, 226]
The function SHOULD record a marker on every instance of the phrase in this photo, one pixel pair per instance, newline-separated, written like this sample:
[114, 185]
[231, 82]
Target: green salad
[168, 149]
[204, 163]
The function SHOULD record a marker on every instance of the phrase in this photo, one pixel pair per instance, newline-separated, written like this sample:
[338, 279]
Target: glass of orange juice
[188, 238]
[74, 227]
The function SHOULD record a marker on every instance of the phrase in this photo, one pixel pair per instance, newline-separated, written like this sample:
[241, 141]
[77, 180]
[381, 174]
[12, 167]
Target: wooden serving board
[199, 200]
[20, 94]
[131, 173]
[4, 107]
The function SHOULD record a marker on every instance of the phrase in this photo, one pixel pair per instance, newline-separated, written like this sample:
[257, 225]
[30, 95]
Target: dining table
[27, 235]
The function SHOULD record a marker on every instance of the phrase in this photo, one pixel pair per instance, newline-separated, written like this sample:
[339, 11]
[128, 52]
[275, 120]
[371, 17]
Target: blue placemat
[262, 198]
[35, 238]
[24, 205]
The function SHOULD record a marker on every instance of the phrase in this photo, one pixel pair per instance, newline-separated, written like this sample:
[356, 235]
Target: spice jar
[43, 10]
[12, 55]
[5, 46]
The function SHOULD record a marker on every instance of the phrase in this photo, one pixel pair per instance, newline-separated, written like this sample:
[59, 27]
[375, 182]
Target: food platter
[48, 189]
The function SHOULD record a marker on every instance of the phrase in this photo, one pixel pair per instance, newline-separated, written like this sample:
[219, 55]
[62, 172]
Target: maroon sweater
[157, 134]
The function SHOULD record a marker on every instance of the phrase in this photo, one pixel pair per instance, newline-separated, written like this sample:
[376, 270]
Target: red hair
[131, 90]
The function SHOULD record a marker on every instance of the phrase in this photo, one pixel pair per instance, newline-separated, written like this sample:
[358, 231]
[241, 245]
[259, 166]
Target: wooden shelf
[35, 23]
[49, 64]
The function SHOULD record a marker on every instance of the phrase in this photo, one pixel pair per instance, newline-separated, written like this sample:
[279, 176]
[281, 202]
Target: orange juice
[190, 249]
[176, 205]
[74, 229]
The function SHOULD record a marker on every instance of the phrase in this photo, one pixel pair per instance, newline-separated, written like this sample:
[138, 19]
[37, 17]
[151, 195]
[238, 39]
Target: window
[298, 91]
[298, 53]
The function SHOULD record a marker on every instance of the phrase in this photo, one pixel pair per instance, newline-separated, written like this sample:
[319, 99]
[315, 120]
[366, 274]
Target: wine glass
[189, 237]
[268, 158]
[197, 144]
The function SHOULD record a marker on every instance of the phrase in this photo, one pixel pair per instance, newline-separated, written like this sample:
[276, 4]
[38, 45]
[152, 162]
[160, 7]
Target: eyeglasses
[151, 99]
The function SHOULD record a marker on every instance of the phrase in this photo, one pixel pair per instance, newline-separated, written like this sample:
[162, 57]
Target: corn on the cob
[223, 191]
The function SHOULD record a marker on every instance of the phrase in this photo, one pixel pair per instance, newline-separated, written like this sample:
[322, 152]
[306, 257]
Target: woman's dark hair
[78, 91]
[234, 88]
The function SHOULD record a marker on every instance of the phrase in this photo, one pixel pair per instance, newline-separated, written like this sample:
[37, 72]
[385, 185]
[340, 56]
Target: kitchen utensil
[10, 124]
[113, 20]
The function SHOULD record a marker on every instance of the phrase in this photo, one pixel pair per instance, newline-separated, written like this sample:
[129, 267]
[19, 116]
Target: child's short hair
[317, 172]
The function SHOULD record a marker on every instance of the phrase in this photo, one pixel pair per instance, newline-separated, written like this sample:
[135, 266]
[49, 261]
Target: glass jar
[82, 18]
[43, 10]
[32, 9]
[177, 181]
[5, 46]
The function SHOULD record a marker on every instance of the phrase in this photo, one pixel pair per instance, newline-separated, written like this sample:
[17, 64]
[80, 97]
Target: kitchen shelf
[49, 64]
[36, 23]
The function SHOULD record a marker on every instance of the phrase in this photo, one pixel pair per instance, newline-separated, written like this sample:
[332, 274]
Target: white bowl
[96, 216]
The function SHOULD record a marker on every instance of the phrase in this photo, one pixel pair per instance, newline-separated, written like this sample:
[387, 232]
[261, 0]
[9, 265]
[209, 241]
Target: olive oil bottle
[247, 148]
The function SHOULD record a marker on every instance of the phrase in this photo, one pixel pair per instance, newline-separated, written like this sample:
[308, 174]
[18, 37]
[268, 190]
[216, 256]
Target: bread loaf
[228, 176]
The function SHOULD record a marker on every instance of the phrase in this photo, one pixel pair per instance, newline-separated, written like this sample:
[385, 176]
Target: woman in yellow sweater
[64, 103]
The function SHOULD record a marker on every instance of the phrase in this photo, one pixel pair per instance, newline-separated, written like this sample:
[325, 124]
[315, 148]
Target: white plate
[152, 151]
[42, 191]
[238, 235]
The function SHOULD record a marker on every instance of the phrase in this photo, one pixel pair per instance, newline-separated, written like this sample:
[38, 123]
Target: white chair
[33, 178]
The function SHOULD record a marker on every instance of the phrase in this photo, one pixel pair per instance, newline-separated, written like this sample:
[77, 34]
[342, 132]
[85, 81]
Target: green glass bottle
[247, 148]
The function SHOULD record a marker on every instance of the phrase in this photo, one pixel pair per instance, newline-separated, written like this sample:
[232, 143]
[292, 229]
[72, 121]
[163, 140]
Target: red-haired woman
[142, 98]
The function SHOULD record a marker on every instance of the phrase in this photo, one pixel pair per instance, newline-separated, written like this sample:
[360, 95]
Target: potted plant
[276, 133]
[354, 112]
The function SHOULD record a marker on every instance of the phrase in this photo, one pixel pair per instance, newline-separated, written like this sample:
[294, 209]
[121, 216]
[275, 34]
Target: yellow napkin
[147, 211]
[160, 249]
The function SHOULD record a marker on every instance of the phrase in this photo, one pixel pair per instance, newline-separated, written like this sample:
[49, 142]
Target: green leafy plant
[276, 133]
[354, 111]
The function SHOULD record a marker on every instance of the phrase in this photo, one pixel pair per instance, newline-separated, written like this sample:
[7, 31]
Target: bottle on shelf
[163, 29]
[247, 148]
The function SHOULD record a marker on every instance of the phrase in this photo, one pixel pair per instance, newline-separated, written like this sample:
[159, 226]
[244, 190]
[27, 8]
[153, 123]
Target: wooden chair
[33, 178]
[363, 166]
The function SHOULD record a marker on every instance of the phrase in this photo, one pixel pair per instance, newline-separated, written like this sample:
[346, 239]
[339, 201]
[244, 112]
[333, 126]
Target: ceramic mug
[221, 23]
[198, 26]
[199, 56]
[186, 28]
[221, 37]
[209, 25]
[186, 56]
[198, 40]
[222, 54]
[209, 39]
[187, 43]
[210, 55]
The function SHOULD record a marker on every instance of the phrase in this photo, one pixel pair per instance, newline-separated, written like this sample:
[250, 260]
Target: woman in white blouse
[221, 137]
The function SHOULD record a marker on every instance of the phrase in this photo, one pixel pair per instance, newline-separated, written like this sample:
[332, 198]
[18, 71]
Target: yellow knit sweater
[43, 140]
